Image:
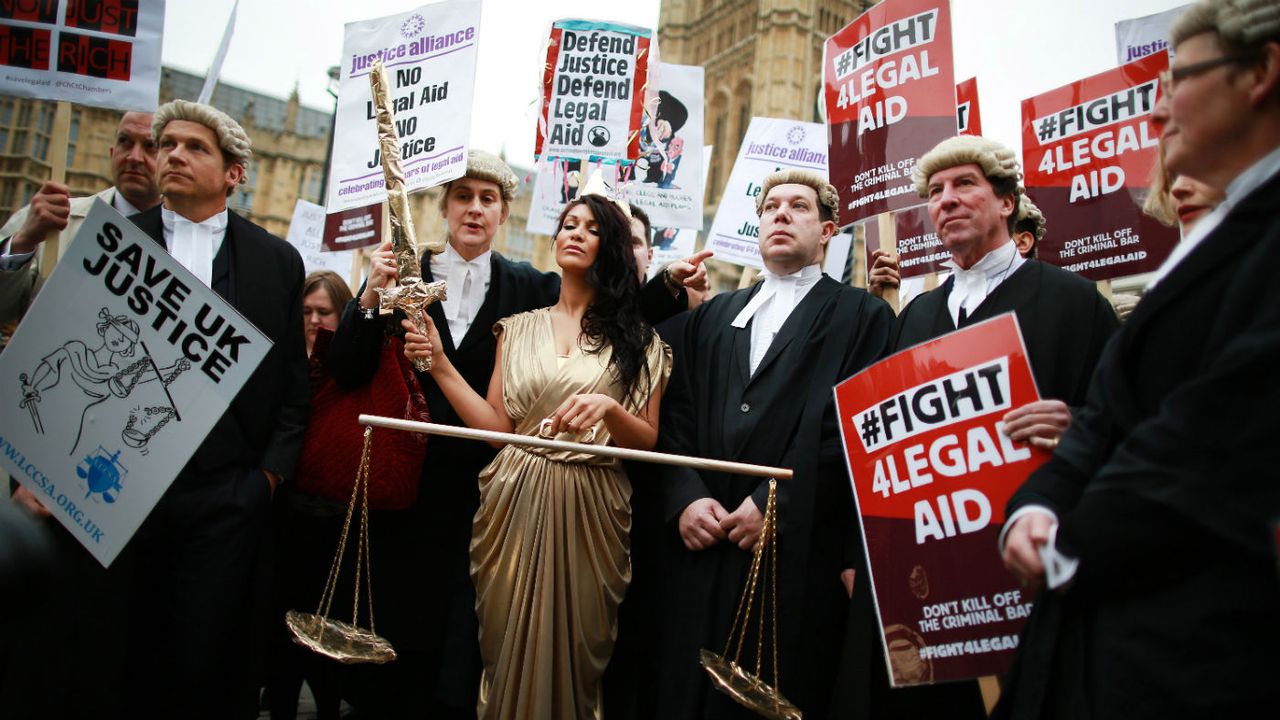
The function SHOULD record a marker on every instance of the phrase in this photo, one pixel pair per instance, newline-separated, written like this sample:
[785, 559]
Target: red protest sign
[931, 472]
[920, 252]
[351, 229]
[968, 119]
[890, 96]
[1088, 150]
[593, 91]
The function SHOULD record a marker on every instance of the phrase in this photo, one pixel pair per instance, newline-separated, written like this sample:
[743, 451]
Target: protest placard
[105, 54]
[890, 97]
[1142, 36]
[919, 250]
[667, 181]
[670, 245]
[769, 145]
[1088, 150]
[352, 229]
[968, 117]
[932, 470]
[114, 378]
[593, 91]
[306, 231]
[430, 56]
[558, 181]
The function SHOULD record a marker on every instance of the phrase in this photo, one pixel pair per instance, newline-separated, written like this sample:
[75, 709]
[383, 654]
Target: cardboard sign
[115, 376]
[352, 229]
[769, 145]
[593, 91]
[667, 181]
[920, 252]
[968, 118]
[105, 54]
[890, 97]
[1088, 150]
[932, 470]
[306, 230]
[430, 56]
[1142, 36]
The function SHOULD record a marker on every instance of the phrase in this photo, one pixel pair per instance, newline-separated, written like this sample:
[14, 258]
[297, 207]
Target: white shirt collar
[123, 206]
[194, 245]
[799, 280]
[463, 299]
[972, 286]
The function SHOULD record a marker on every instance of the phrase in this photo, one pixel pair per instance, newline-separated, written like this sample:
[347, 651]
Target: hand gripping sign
[932, 470]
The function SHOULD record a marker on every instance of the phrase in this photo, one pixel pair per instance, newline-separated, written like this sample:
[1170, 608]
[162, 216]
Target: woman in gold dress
[549, 548]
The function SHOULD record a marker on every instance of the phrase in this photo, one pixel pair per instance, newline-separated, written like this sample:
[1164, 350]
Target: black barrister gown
[783, 415]
[1166, 490]
[1065, 324]
[421, 562]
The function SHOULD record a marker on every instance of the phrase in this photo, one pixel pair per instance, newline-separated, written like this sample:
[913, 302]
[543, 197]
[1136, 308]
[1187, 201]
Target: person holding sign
[1152, 525]
[426, 602]
[755, 377]
[134, 190]
[197, 552]
[549, 552]
[972, 186]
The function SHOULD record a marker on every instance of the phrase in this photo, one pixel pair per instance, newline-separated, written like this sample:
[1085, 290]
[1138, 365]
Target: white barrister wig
[231, 137]
[1029, 214]
[828, 199]
[997, 161]
[1243, 26]
[486, 166]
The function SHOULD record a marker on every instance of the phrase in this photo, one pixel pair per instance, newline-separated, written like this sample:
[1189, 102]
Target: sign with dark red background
[968, 119]
[890, 97]
[351, 229]
[1088, 150]
[920, 252]
[931, 472]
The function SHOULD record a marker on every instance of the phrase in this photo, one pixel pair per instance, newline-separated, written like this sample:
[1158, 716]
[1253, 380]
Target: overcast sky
[1016, 48]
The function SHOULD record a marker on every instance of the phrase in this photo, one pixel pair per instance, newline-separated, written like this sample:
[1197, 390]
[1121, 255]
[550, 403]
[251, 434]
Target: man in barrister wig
[753, 384]
[421, 561]
[1152, 527]
[975, 202]
[176, 602]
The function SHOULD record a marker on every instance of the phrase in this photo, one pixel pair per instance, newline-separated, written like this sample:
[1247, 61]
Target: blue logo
[102, 473]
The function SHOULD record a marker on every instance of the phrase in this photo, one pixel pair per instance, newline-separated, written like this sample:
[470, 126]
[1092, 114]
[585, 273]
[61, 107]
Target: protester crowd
[524, 582]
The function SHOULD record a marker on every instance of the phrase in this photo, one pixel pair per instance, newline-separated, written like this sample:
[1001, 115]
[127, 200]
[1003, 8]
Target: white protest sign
[670, 245]
[837, 255]
[430, 56]
[105, 54]
[115, 376]
[1139, 37]
[593, 90]
[306, 231]
[769, 145]
[667, 180]
[557, 182]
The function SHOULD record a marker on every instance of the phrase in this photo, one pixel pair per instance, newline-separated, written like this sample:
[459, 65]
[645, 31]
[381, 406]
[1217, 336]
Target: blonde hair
[828, 199]
[237, 148]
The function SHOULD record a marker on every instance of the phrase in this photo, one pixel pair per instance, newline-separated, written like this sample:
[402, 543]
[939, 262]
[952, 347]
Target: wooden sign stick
[59, 139]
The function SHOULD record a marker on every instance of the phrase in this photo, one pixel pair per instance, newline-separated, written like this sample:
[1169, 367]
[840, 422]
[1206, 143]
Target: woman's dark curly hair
[613, 318]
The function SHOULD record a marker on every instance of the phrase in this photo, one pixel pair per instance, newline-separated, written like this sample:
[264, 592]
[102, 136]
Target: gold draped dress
[550, 544]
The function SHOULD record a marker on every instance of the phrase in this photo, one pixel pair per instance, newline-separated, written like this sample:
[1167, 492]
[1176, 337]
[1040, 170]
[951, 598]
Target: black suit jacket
[261, 276]
[1166, 489]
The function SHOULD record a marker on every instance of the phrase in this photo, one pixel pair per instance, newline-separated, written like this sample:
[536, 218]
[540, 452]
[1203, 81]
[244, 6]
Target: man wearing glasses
[1163, 595]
